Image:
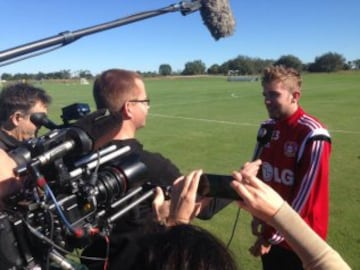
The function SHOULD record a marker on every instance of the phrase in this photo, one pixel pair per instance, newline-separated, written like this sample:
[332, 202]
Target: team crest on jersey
[290, 149]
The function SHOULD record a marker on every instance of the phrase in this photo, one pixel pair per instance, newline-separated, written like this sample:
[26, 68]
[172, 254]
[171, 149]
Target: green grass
[210, 123]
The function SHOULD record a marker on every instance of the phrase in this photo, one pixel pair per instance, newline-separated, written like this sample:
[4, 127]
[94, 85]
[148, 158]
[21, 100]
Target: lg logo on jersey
[271, 173]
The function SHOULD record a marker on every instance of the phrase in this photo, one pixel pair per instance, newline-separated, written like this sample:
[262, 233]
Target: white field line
[202, 120]
[204, 101]
[235, 123]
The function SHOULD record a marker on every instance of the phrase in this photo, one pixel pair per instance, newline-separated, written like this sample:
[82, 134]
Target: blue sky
[264, 29]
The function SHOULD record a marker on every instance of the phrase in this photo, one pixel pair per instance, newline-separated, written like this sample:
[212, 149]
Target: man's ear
[15, 118]
[296, 96]
[127, 110]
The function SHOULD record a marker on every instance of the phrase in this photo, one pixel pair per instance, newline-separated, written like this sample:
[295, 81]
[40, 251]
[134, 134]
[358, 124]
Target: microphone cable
[263, 137]
[233, 229]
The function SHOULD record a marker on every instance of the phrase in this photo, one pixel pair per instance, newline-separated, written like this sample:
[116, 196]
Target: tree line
[243, 65]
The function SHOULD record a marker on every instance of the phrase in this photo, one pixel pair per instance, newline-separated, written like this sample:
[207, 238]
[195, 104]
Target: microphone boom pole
[64, 38]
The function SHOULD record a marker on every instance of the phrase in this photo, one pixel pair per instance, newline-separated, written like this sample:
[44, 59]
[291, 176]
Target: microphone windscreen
[218, 17]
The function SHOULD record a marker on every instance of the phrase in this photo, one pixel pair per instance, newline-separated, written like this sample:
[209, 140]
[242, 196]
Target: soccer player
[295, 164]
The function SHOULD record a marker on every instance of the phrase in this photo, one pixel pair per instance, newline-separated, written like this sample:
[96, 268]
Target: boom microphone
[216, 14]
[218, 18]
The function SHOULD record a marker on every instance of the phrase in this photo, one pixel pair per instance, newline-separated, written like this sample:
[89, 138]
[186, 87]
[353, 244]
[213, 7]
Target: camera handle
[130, 206]
[92, 161]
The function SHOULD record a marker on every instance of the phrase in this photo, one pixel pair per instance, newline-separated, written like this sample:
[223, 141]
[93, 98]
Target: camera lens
[116, 179]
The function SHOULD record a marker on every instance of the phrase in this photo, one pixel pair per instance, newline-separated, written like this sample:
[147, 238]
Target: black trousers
[281, 259]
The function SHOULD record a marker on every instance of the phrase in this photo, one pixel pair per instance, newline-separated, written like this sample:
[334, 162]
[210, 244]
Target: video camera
[71, 192]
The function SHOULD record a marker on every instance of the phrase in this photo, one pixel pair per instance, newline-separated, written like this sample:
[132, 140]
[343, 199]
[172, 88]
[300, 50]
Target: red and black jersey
[296, 165]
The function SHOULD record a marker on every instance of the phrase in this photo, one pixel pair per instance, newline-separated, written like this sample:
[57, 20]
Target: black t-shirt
[160, 170]
[7, 142]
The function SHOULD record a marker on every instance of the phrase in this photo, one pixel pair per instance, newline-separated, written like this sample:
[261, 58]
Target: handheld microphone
[263, 137]
[216, 185]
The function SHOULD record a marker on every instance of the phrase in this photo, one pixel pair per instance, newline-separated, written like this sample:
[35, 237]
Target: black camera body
[74, 111]
[70, 194]
[29, 217]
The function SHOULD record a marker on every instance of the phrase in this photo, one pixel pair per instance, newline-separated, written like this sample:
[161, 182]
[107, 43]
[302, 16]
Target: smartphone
[216, 185]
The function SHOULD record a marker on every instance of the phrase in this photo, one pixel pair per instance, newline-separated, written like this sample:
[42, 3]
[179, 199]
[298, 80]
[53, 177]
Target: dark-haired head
[180, 247]
[21, 97]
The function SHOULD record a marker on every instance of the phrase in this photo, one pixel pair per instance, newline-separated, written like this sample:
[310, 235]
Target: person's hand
[251, 168]
[258, 198]
[183, 206]
[260, 247]
[8, 181]
[161, 207]
[7, 166]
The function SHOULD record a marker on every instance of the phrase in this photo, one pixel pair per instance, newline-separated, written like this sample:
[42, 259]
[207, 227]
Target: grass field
[210, 123]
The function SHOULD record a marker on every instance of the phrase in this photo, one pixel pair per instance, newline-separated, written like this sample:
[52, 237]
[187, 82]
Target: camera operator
[17, 103]
[17, 128]
[124, 91]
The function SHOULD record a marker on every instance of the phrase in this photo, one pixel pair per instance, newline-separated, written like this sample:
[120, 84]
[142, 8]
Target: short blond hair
[290, 77]
[113, 87]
